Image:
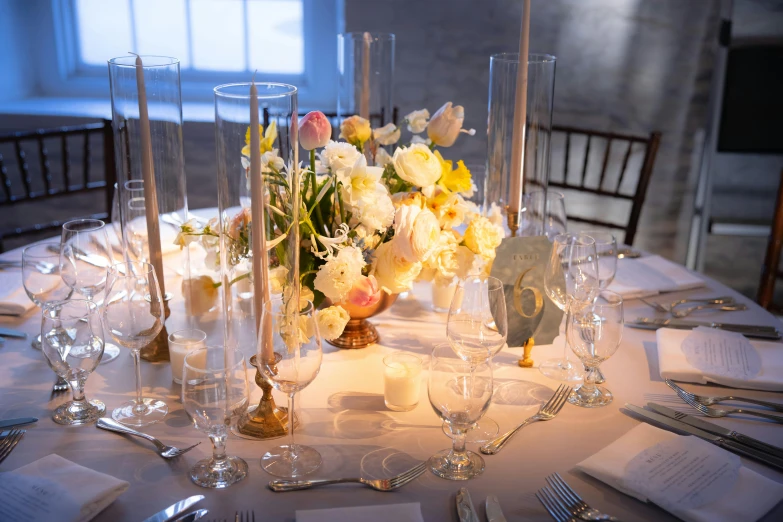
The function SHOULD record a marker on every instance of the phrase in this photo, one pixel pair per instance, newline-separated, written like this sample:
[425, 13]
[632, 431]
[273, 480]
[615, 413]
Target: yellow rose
[355, 130]
[417, 165]
[393, 273]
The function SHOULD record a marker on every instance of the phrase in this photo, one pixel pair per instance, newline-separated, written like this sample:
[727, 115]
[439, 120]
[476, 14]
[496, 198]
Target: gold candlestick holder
[267, 420]
[513, 221]
[158, 349]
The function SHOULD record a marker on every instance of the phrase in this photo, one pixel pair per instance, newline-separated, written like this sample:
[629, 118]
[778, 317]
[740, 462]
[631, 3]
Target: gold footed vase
[359, 332]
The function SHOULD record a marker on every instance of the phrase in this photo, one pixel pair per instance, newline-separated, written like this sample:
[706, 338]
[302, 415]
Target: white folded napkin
[648, 276]
[688, 477]
[388, 513]
[13, 298]
[53, 489]
[759, 367]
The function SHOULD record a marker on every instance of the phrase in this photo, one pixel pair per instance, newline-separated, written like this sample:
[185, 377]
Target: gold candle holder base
[158, 349]
[526, 361]
[513, 221]
[267, 420]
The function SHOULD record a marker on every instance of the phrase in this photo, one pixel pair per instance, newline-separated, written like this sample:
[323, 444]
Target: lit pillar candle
[148, 174]
[517, 182]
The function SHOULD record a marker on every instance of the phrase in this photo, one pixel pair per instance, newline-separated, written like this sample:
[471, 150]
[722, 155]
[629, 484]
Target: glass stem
[218, 435]
[292, 446]
[77, 388]
[566, 363]
[590, 377]
[139, 408]
[458, 458]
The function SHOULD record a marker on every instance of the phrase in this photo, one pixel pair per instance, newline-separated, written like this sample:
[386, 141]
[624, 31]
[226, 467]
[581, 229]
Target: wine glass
[477, 329]
[214, 395]
[85, 254]
[594, 333]
[41, 277]
[571, 282]
[72, 341]
[544, 214]
[460, 394]
[133, 314]
[289, 357]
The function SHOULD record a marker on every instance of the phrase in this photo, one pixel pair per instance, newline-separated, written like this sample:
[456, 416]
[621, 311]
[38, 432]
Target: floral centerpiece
[371, 221]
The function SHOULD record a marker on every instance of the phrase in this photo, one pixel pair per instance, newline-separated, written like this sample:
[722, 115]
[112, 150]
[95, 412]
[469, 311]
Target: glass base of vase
[155, 411]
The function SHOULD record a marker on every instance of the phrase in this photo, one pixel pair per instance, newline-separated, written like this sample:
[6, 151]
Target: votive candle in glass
[401, 381]
[181, 343]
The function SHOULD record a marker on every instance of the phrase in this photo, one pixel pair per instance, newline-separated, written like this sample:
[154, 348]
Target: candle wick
[134, 54]
[254, 76]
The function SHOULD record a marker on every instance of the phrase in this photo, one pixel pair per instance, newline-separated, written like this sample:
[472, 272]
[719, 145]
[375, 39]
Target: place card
[520, 263]
[34, 499]
[720, 353]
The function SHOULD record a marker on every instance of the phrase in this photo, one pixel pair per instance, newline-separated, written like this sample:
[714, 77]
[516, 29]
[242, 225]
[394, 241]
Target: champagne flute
[289, 358]
[477, 329]
[460, 394]
[594, 333]
[41, 277]
[571, 282]
[215, 395]
[133, 314]
[72, 341]
[85, 254]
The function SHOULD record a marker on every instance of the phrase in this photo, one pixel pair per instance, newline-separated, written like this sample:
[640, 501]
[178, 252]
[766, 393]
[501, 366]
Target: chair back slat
[605, 164]
[24, 168]
[769, 270]
[624, 165]
[567, 156]
[66, 160]
[586, 161]
[5, 180]
[86, 159]
[45, 169]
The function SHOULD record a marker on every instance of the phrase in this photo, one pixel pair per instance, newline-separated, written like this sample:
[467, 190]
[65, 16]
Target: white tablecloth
[345, 419]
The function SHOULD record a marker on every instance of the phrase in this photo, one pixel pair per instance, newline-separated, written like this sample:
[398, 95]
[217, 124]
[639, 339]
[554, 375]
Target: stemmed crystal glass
[133, 315]
[544, 214]
[571, 282]
[41, 277]
[72, 341]
[460, 394]
[289, 358]
[214, 395]
[477, 329]
[85, 255]
[594, 333]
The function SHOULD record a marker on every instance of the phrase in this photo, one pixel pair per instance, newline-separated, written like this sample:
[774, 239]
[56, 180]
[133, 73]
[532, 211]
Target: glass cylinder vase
[503, 69]
[365, 71]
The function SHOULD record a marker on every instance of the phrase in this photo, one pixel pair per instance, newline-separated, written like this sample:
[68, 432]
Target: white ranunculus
[417, 120]
[382, 158]
[417, 164]
[376, 212]
[416, 233]
[389, 134]
[331, 322]
[394, 275]
[339, 155]
[336, 277]
[359, 181]
[482, 237]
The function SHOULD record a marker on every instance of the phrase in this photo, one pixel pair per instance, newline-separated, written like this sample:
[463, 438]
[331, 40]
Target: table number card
[520, 263]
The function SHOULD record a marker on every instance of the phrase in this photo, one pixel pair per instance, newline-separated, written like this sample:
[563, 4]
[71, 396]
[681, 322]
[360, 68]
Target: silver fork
[709, 401]
[247, 516]
[667, 309]
[379, 485]
[167, 452]
[547, 412]
[553, 507]
[573, 502]
[732, 307]
[10, 442]
[720, 412]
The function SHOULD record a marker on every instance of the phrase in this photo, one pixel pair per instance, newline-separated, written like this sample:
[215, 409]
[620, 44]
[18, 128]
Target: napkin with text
[53, 489]
[688, 477]
[389, 513]
[13, 299]
[708, 355]
[652, 275]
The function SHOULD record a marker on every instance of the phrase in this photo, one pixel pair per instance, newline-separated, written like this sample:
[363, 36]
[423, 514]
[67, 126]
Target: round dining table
[343, 416]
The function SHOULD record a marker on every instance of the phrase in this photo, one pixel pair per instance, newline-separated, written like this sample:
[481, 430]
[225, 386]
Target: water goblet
[544, 214]
[289, 358]
[460, 394]
[72, 341]
[214, 395]
[571, 282]
[594, 333]
[133, 315]
[41, 277]
[85, 255]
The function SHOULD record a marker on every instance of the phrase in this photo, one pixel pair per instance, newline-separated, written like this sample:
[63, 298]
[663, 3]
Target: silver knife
[191, 517]
[494, 513]
[759, 332]
[717, 430]
[174, 509]
[8, 332]
[10, 423]
[465, 509]
[727, 444]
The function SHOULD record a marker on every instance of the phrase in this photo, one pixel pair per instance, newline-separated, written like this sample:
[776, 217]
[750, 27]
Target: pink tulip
[365, 292]
[315, 131]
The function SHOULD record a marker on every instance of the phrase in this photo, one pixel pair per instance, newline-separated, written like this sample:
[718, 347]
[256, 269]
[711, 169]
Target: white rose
[376, 212]
[331, 322]
[277, 279]
[416, 233]
[389, 134]
[417, 120]
[417, 164]
[394, 275]
[382, 158]
[336, 277]
[359, 181]
[482, 237]
[338, 155]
